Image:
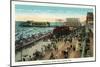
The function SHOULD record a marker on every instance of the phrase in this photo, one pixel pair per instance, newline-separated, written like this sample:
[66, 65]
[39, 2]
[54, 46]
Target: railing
[25, 44]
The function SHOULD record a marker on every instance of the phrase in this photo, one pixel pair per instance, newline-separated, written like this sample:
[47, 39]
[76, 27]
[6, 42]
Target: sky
[48, 13]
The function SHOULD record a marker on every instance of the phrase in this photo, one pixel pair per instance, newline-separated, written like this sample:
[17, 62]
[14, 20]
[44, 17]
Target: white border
[44, 61]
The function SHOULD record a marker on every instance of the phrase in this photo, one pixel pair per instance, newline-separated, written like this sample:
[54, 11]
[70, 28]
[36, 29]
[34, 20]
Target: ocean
[26, 32]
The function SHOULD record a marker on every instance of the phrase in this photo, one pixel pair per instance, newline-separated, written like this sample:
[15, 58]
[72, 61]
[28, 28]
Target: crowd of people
[72, 43]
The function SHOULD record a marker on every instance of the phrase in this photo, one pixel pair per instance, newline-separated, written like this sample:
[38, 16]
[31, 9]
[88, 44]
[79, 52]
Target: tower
[89, 18]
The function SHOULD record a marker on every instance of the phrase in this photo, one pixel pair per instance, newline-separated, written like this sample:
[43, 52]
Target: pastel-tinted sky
[50, 10]
[28, 9]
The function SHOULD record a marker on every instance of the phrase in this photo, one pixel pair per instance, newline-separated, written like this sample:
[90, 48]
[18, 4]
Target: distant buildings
[72, 22]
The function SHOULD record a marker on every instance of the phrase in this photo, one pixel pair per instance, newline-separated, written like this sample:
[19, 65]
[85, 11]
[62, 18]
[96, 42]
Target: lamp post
[21, 44]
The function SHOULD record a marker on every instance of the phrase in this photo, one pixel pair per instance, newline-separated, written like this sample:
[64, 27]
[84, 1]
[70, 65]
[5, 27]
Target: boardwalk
[30, 42]
[58, 53]
[73, 47]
